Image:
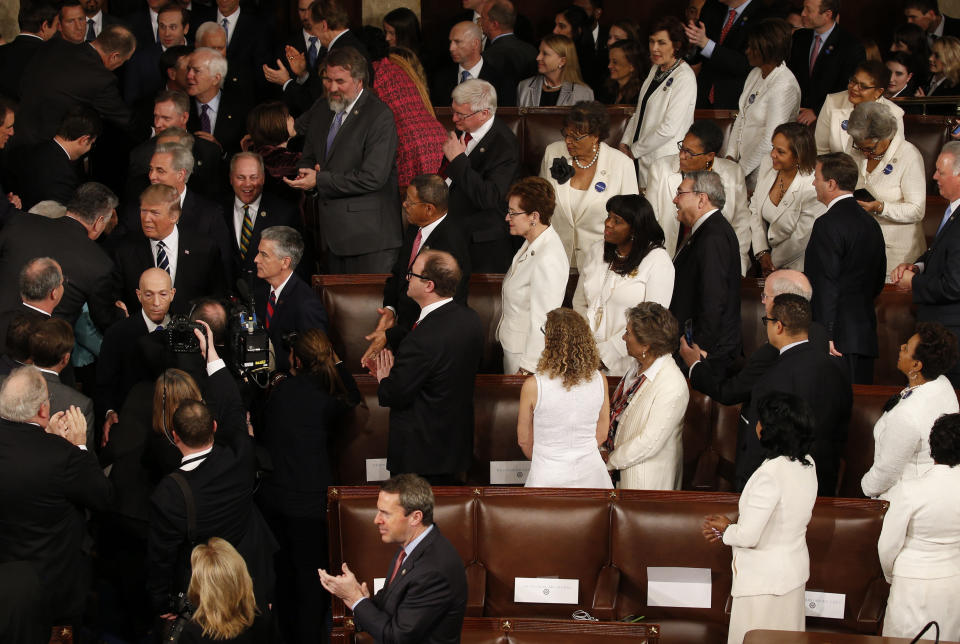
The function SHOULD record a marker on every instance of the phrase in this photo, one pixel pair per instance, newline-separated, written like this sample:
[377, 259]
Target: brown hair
[267, 124]
[312, 347]
[654, 325]
[771, 40]
[179, 386]
[50, 341]
[330, 11]
[409, 62]
[569, 350]
[802, 144]
[535, 194]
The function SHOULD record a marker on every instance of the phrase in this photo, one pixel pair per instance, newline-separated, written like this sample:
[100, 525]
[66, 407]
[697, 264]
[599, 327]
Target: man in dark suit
[240, 81]
[38, 23]
[9, 202]
[191, 258]
[247, 43]
[846, 263]
[926, 14]
[481, 160]
[823, 56]
[46, 482]
[284, 302]
[803, 370]
[141, 75]
[721, 36]
[96, 19]
[934, 276]
[430, 228]
[143, 22]
[425, 596]
[430, 388]
[41, 288]
[706, 290]
[513, 58]
[349, 158]
[217, 115]
[467, 63]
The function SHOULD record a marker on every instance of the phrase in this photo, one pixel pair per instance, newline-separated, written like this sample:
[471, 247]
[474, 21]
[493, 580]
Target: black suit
[448, 77]
[478, 196]
[846, 263]
[231, 122]
[45, 482]
[44, 171]
[248, 47]
[272, 211]
[141, 24]
[430, 394]
[836, 61]
[14, 57]
[706, 289]
[297, 309]
[208, 177]
[141, 74]
[120, 364]
[514, 60]
[425, 602]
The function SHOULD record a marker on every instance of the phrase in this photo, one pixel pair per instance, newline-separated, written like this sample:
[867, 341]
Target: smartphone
[688, 331]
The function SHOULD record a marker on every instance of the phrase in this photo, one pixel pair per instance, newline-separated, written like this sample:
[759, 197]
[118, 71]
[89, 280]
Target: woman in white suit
[784, 205]
[771, 563]
[868, 83]
[536, 281]
[558, 80]
[891, 170]
[585, 172]
[628, 266]
[667, 99]
[699, 150]
[919, 544]
[645, 448]
[771, 95]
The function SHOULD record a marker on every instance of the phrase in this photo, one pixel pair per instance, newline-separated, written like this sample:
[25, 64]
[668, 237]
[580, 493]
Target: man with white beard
[349, 158]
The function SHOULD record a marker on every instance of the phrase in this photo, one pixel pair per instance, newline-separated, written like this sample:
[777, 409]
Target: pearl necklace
[589, 165]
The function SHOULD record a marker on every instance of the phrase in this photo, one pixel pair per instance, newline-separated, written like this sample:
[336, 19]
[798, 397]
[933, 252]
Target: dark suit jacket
[142, 27]
[231, 122]
[706, 289]
[45, 483]
[62, 397]
[209, 177]
[448, 77]
[807, 372]
[248, 47]
[299, 98]
[514, 60]
[425, 602]
[14, 57]
[299, 308]
[273, 211]
[846, 264]
[120, 365]
[478, 194]
[838, 59]
[936, 291]
[44, 171]
[141, 74]
[430, 393]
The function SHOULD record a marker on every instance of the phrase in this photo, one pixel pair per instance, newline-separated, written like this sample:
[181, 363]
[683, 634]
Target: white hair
[478, 94]
[23, 394]
[953, 149]
[214, 60]
[181, 157]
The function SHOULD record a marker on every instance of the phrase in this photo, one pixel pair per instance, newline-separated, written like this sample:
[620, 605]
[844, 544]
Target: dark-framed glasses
[570, 136]
[853, 82]
[687, 151]
[417, 275]
[765, 319]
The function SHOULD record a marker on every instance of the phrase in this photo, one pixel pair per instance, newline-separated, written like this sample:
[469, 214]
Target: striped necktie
[271, 303]
[162, 262]
[246, 231]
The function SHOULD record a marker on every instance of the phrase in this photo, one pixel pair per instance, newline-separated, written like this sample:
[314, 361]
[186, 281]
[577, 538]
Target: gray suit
[63, 396]
[528, 92]
[356, 185]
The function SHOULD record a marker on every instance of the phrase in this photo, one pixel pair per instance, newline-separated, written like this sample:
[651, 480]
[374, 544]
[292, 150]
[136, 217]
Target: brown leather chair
[928, 133]
[896, 322]
[868, 405]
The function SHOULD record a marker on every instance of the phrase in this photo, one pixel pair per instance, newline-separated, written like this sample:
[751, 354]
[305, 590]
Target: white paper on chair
[509, 472]
[546, 590]
[378, 583]
[377, 470]
[678, 587]
[820, 604]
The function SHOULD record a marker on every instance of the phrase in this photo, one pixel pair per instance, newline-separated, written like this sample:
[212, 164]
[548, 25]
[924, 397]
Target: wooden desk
[790, 637]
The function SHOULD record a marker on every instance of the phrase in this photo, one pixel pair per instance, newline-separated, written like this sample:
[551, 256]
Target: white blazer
[668, 116]
[786, 235]
[534, 285]
[901, 437]
[603, 297]
[900, 182]
[579, 215]
[528, 92]
[764, 104]
[831, 133]
[665, 178]
[648, 446]
[769, 540]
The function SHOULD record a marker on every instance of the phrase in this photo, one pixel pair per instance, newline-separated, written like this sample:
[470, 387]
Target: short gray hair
[205, 29]
[91, 201]
[785, 282]
[246, 155]
[23, 394]
[478, 94]
[287, 242]
[215, 62]
[952, 148]
[871, 120]
[181, 157]
[38, 278]
[710, 184]
[184, 138]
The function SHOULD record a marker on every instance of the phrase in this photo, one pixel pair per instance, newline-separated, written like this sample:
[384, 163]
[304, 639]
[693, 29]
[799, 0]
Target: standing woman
[584, 173]
[536, 281]
[402, 29]
[558, 81]
[667, 99]
[868, 83]
[626, 67]
[628, 266]
[574, 23]
[771, 563]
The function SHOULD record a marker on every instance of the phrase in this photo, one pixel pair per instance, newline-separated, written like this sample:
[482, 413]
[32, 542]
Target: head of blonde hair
[179, 386]
[565, 48]
[948, 50]
[569, 350]
[220, 590]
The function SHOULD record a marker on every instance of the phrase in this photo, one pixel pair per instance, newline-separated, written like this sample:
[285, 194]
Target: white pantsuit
[665, 178]
[831, 132]
[579, 215]
[603, 297]
[668, 116]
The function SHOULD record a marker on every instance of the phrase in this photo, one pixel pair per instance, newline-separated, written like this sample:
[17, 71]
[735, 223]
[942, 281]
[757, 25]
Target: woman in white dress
[628, 266]
[537, 278]
[585, 172]
[771, 564]
[891, 171]
[901, 435]
[919, 544]
[645, 447]
[667, 99]
[785, 205]
[564, 408]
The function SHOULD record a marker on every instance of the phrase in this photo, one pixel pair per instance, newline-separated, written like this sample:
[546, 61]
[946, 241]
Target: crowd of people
[172, 174]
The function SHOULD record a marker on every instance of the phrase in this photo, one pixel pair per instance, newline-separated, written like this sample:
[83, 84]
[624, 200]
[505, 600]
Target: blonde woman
[564, 408]
[944, 68]
[558, 80]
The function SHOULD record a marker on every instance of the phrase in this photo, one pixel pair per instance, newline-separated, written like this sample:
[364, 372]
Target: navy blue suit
[297, 309]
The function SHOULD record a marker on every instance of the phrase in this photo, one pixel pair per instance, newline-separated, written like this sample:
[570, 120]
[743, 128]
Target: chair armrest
[476, 589]
[873, 607]
[604, 605]
[705, 476]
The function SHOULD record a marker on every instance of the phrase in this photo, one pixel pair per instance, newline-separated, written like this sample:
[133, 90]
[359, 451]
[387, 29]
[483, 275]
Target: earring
[643, 355]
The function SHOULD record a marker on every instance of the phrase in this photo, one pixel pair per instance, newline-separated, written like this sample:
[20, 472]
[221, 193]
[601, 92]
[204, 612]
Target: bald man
[466, 62]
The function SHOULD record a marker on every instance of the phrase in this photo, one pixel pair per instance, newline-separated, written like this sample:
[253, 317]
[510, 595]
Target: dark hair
[51, 339]
[406, 26]
[590, 116]
[830, 5]
[375, 41]
[923, 6]
[350, 59]
[503, 13]
[312, 347]
[415, 494]
[441, 268]
[182, 10]
[535, 194]
[92, 200]
[214, 313]
[180, 100]
[839, 167]
[645, 232]
[267, 124]
[634, 53]
[117, 39]
[7, 105]
[33, 13]
[78, 122]
[771, 40]
[330, 11]
[432, 189]
[793, 312]
[674, 28]
[915, 39]
[169, 58]
[936, 350]
[69, 3]
[945, 440]
[193, 423]
[631, 28]
[18, 337]
[902, 58]
[786, 426]
[709, 134]
[802, 144]
[877, 70]
[580, 22]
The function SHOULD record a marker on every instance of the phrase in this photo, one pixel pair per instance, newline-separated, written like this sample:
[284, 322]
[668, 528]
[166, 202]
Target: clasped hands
[306, 178]
[714, 525]
[902, 276]
[280, 75]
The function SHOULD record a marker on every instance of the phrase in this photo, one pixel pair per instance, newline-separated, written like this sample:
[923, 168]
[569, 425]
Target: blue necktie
[464, 76]
[334, 128]
[226, 28]
[943, 222]
[312, 52]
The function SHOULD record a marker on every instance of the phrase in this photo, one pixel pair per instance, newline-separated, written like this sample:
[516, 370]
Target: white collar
[213, 103]
[938, 32]
[474, 71]
[171, 241]
[39, 310]
[430, 308]
[232, 18]
[279, 289]
[655, 368]
[192, 461]
[792, 345]
[702, 219]
[151, 325]
[63, 148]
[48, 371]
[410, 547]
[836, 199]
[954, 205]
[482, 130]
[429, 228]
[254, 205]
[336, 38]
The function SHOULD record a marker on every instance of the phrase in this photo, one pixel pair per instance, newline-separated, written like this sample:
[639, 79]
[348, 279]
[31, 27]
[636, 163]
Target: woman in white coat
[868, 83]
[644, 450]
[628, 266]
[891, 170]
[585, 172]
[536, 281]
[919, 544]
[771, 563]
[667, 99]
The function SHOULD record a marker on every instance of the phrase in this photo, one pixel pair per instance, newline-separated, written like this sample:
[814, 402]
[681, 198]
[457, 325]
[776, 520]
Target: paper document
[678, 587]
[820, 604]
[546, 590]
[509, 472]
[377, 470]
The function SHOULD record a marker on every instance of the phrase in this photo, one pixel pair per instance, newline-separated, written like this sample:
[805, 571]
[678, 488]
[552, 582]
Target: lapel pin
[843, 125]
[229, 116]
[600, 186]
[888, 169]
[483, 149]
[186, 251]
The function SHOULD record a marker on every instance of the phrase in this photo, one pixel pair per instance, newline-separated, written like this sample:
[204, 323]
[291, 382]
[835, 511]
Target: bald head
[155, 293]
[465, 41]
[785, 281]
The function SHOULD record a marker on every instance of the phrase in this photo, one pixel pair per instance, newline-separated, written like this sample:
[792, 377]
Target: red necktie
[272, 302]
[416, 247]
[814, 53]
[467, 137]
[396, 567]
[728, 25]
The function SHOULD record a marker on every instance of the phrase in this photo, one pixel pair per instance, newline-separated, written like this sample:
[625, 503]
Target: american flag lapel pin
[186, 251]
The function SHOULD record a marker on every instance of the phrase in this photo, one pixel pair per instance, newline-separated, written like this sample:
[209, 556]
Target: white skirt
[914, 602]
[771, 612]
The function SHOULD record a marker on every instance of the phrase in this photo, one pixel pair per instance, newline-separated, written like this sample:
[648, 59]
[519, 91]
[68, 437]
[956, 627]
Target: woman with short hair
[944, 68]
[558, 81]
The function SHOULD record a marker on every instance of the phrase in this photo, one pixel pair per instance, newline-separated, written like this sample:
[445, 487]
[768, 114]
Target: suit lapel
[827, 48]
[347, 126]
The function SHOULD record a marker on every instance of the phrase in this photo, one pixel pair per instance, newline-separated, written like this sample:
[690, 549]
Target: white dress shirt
[430, 308]
[231, 22]
[151, 325]
[473, 71]
[238, 215]
[276, 291]
[171, 245]
[213, 106]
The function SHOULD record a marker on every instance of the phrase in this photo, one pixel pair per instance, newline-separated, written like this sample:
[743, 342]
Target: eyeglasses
[567, 136]
[853, 82]
[412, 274]
[688, 151]
[512, 214]
[686, 192]
[464, 117]
[765, 319]
[864, 149]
